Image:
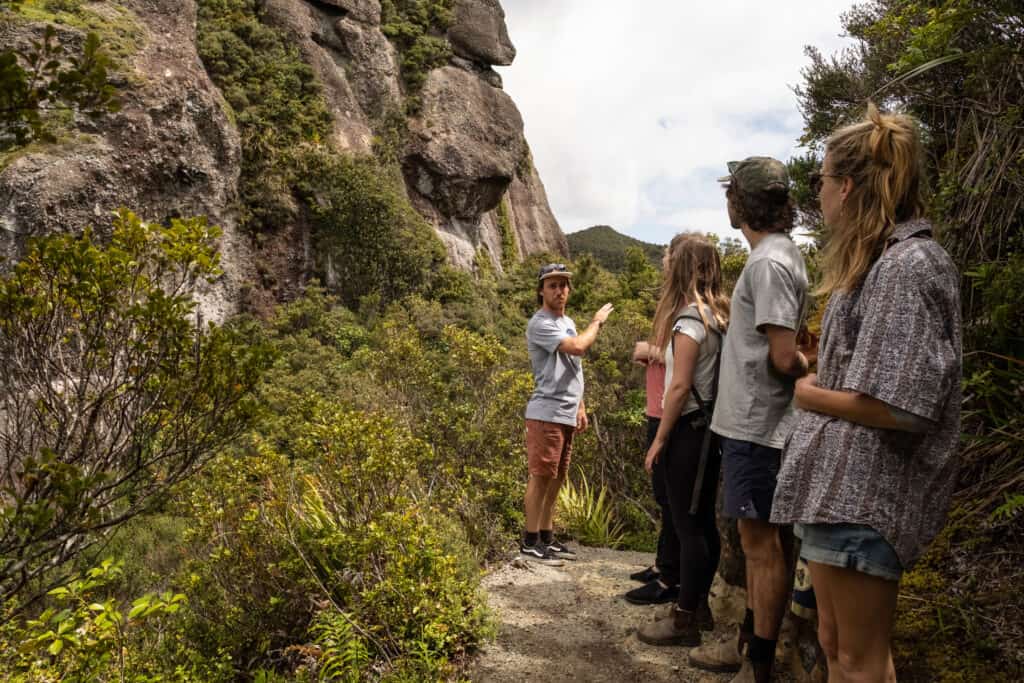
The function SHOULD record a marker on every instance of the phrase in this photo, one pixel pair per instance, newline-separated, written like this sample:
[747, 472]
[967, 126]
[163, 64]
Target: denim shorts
[851, 546]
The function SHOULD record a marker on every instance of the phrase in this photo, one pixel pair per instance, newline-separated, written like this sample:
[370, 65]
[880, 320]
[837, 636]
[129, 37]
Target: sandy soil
[572, 624]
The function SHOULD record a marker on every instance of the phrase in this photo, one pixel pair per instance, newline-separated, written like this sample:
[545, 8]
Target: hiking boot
[561, 550]
[752, 672]
[645, 575]
[679, 629]
[653, 593]
[705, 619]
[540, 554]
[724, 656]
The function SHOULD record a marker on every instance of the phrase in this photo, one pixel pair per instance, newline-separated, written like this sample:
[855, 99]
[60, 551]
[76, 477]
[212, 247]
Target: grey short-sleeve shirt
[688, 322]
[896, 338]
[557, 376]
[753, 398]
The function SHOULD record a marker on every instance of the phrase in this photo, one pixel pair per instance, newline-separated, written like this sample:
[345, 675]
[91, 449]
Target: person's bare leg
[767, 577]
[828, 637]
[547, 518]
[536, 493]
[863, 607]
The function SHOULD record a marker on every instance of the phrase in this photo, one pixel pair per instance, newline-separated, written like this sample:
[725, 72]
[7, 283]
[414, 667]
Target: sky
[633, 108]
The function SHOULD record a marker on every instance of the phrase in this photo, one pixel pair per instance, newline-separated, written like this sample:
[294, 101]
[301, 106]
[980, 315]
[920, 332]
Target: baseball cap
[758, 174]
[553, 270]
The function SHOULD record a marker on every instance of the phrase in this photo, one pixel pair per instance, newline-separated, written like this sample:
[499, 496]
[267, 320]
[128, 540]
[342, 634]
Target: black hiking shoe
[645, 575]
[653, 593]
[540, 554]
[561, 550]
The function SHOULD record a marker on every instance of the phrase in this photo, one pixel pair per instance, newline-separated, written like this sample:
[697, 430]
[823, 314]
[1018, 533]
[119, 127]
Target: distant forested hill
[609, 247]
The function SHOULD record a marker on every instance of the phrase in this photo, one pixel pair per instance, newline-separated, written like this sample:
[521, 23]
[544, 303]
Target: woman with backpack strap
[690, 320]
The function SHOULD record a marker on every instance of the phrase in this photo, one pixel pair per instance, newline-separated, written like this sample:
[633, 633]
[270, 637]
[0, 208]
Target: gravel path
[571, 623]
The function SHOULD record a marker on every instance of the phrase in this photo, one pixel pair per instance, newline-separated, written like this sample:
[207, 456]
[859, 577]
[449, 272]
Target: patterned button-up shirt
[896, 337]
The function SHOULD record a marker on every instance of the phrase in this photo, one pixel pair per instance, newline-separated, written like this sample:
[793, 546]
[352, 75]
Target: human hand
[653, 453]
[581, 421]
[804, 386]
[602, 314]
[642, 353]
[807, 344]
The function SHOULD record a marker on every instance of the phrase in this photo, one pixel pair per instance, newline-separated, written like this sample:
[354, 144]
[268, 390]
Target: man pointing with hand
[555, 411]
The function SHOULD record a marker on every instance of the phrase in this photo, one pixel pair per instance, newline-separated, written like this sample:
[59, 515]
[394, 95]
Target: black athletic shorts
[749, 471]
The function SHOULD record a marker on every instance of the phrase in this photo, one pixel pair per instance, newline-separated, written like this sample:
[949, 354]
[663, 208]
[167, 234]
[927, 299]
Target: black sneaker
[561, 550]
[646, 575]
[540, 554]
[652, 593]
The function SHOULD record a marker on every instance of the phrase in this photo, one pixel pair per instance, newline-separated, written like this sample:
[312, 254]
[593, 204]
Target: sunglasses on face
[815, 180]
[553, 268]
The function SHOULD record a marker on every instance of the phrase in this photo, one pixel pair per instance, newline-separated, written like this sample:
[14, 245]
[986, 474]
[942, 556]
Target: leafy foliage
[274, 96]
[417, 29]
[43, 79]
[112, 393]
[588, 514]
[368, 236]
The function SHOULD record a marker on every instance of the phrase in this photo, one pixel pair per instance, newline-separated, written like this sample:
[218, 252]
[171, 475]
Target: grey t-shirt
[754, 399]
[557, 376]
[704, 373]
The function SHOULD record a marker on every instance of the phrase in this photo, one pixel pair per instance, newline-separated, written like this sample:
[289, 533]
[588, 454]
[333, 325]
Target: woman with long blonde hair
[689, 322]
[868, 472]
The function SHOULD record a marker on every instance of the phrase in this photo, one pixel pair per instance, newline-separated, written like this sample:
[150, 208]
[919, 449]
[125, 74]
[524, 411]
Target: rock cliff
[174, 148]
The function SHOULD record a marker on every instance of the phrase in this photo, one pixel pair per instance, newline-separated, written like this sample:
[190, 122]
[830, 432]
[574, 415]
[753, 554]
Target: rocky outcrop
[365, 11]
[478, 32]
[173, 151]
[170, 151]
[536, 229]
[465, 144]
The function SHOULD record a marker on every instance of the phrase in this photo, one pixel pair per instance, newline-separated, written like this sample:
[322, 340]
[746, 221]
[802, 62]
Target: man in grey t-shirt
[760, 363]
[555, 410]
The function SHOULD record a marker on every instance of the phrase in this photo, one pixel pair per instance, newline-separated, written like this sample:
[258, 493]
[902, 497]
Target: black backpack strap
[706, 408]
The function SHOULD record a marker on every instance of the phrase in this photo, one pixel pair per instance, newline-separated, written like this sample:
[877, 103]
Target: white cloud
[632, 109]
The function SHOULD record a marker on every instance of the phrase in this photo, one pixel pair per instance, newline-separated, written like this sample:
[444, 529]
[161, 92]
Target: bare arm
[684, 360]
[856, 407]
[579, 344]
[783, 353]
[641, 353]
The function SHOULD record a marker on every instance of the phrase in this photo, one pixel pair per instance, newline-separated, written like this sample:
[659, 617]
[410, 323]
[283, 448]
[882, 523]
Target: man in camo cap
[753, 415]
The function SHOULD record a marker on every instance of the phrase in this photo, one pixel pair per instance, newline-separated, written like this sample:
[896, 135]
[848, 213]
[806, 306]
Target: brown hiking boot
[753, 672]
[705, 620]
[680, 629]
[724, 656]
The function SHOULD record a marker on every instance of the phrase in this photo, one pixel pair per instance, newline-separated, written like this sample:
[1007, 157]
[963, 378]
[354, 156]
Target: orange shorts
[548, 448]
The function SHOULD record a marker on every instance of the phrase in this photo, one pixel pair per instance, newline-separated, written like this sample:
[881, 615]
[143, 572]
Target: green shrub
[417, 28]
[587, 513]
[343, 533]
[112, 391]
[368, 237]
[274, 97]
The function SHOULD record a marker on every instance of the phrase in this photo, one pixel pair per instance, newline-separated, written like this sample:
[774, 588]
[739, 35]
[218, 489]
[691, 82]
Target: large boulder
[478, 32]
[171, 151]
[536, 229]
[365, 11]
[465, 145]
[372, 67]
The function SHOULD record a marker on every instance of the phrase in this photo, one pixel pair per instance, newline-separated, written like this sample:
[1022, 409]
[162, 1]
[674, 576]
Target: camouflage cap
[758, 174]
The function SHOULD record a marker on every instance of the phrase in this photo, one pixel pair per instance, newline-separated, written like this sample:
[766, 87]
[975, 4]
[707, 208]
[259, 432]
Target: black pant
[696, 542]
[667, 557]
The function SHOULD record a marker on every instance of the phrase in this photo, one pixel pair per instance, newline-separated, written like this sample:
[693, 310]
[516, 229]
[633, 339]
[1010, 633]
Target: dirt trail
[571, 623]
